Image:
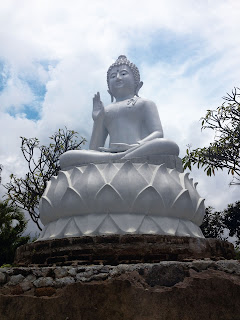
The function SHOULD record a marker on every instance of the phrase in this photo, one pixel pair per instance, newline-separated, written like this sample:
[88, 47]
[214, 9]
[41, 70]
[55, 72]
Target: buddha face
[121, 82]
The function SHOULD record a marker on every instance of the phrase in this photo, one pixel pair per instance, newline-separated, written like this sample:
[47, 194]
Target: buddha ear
[139, 86]
[110, 95]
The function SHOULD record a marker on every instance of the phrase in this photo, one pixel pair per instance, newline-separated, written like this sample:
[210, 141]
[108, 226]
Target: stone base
[194, 290]
[121, 249]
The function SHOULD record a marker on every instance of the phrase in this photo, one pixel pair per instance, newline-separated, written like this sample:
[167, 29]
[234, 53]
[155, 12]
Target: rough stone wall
[120, 249]
[200, 289]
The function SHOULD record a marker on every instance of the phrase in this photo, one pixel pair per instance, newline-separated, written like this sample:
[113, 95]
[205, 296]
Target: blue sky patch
[167, 47]
[31, 110]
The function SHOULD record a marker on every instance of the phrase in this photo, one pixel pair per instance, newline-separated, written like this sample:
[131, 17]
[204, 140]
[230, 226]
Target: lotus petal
[166, 186]
[148, 226]
[76, 176]
[72, 229]
[183, 230]
[188, 184]
[91, 182]
[149, 201]
[200, 212]
[109, 172]
[127, 222]
[167, 225]
[118, 165]
[108, 200]
[42, 234]
[182, 206]
[46, 210]
[51, 185]
[58, 229]
[88, 224]
[146, 171]
[83, 168]
[128, 182]
[72, 204]
[194, 230]
[61, 187]
[175, 175]
[50, 230]
[108, 227]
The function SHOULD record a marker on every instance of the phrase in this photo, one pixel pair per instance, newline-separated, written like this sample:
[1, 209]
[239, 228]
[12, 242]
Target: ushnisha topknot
[122, 60]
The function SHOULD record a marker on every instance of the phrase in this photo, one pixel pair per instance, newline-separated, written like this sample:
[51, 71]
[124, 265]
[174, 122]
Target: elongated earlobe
[139, 86]
[111, 95]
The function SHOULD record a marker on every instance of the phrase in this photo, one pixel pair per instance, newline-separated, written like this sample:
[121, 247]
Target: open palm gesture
[97, 106]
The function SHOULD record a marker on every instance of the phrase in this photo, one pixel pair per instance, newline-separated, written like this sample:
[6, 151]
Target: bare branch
[43, 163]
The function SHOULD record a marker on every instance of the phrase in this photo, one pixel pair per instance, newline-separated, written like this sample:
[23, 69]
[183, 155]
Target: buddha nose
[119, 76]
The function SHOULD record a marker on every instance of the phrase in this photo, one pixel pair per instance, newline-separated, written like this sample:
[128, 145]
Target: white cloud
[68, 45]
[16, 94]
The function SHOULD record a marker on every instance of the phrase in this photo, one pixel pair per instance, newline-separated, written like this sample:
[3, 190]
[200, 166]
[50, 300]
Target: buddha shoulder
[146, 104]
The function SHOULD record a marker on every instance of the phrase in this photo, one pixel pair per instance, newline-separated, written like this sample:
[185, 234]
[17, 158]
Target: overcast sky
[54, 56]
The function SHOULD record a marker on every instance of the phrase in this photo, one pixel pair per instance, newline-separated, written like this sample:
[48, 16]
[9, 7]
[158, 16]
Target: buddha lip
[119, 82]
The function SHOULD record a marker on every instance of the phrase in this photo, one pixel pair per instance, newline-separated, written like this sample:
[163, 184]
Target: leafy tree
[214, 223]
[224, 151]
[43, 163]
[212, 226]
[12, 226]
[231, 220]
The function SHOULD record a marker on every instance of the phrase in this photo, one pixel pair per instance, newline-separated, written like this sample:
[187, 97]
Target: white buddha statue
[132, 123]
[135, 186]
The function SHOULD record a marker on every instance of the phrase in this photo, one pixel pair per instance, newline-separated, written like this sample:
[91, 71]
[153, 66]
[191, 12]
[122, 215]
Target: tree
[224, 151]
[231, 220]
[212, 226]
[216, 222]
[43, 163]
[12, 226]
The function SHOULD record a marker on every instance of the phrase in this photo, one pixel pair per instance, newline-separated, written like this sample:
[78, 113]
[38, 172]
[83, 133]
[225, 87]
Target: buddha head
[123, 67]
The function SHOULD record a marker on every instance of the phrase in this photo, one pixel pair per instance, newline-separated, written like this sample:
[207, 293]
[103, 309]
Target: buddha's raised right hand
[98, 107]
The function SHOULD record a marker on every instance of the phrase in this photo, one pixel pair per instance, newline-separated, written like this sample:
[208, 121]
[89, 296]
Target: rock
[44, 282]
[86, 274]
[99, 276]
[64, 281]
[26, 285]
[229, 266]
[31, 277]
[3, 278]
[166, 275]
[72, 271]
[37, 272]
[60, 272]
[15, 280]
[104, 269]
[200, 265]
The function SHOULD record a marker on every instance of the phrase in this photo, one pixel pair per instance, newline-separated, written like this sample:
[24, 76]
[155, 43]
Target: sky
[54, 56]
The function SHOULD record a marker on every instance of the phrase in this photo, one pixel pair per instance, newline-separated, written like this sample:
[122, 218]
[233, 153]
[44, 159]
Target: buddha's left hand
[119, 147]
